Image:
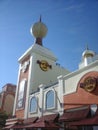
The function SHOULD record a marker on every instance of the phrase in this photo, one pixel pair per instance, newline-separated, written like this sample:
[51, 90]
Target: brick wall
[20, 113]
[23, 75]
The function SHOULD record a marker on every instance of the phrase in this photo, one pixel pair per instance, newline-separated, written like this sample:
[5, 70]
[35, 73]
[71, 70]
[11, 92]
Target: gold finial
[39, 31]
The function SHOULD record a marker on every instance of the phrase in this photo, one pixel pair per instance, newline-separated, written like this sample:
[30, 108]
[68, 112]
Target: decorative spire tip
[87, 48]
[40, 19]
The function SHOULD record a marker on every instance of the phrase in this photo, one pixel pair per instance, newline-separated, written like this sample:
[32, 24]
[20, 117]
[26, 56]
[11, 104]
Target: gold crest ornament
[44, 65]
[89, 84]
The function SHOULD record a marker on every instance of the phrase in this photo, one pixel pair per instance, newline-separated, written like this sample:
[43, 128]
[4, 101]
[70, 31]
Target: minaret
[39, 31]
[87, 57]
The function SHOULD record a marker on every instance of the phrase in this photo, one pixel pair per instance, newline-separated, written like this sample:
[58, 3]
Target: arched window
[50, 99]
[33, 104]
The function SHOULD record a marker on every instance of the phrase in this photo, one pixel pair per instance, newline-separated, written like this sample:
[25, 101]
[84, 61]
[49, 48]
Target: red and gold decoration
[89, 83]
[44, 65]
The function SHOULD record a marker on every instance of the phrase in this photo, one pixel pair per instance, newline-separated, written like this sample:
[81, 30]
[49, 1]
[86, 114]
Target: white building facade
[45, 89]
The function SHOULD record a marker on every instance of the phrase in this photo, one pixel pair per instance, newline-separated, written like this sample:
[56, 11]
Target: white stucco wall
[39, 76]
[71, 80]
[41, 96]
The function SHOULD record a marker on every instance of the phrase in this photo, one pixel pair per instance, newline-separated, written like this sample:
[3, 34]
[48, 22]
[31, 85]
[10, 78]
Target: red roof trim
[52, 118]
[43, 124]
[30, 120]
[74, 115]
[93, 121]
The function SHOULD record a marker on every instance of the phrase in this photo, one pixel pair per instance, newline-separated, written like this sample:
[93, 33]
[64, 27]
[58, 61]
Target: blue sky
[71, 25]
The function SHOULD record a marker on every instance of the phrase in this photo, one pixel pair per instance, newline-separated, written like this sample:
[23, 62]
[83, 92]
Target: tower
[37, 66]
[88, 56]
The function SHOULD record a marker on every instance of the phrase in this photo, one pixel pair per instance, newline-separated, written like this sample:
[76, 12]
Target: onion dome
[88, 53]
[39, 31]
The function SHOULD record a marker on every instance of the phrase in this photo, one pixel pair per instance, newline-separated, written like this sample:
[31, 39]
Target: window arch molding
[50, 99]
[33, 106]
[21, 93]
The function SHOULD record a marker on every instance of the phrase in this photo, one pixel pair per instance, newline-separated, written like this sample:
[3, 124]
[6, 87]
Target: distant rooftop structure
[9, 87]
[7, 96]
[88, 56]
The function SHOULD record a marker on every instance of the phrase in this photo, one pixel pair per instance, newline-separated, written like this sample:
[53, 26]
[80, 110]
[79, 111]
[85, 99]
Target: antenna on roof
[87, 48]
[40, 19]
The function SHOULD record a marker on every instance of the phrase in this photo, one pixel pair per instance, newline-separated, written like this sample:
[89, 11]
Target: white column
[28, 89]
[16, 94]
[85, 61]
[60, 93]
[41, 100]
